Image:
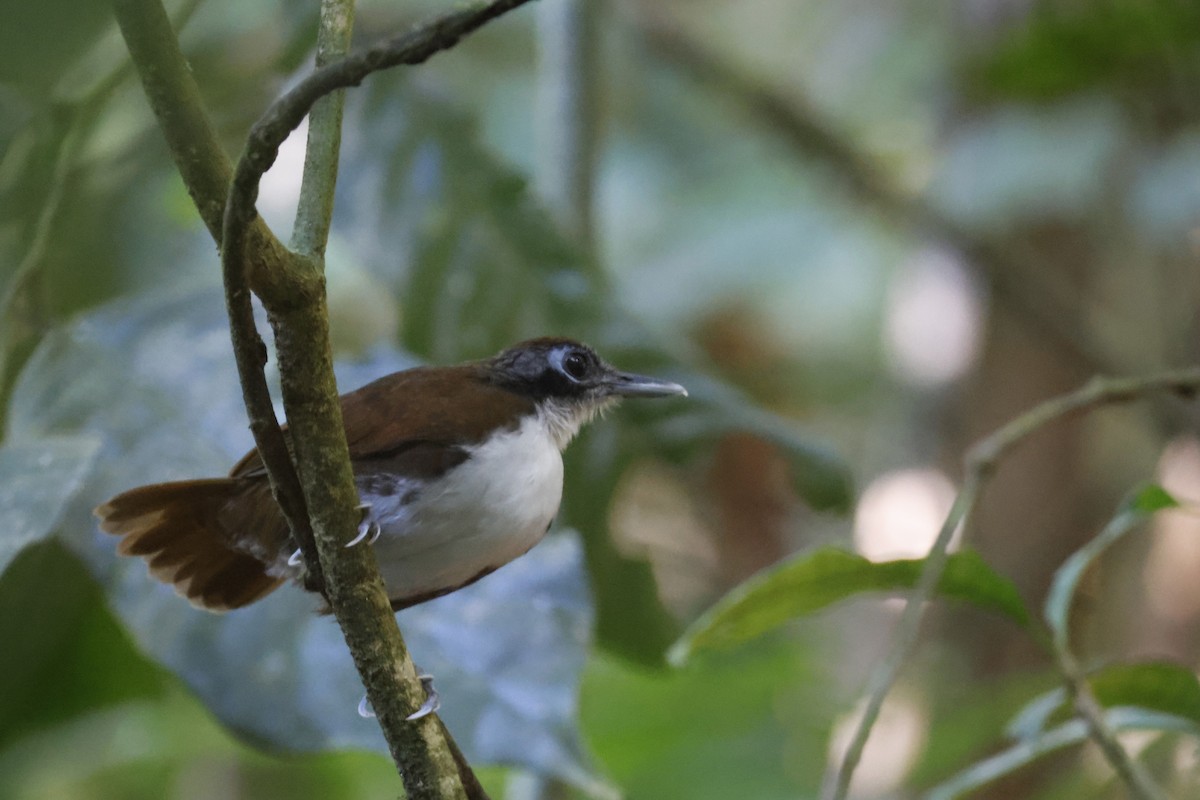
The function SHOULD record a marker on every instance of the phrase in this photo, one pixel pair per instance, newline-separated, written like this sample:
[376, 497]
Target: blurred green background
[864, 233]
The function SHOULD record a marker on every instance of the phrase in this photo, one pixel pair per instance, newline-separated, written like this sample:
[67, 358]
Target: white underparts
[482, 514]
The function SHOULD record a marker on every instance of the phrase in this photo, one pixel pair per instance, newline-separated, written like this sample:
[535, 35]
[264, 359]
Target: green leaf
[64, 654]
[1008, 761]
[1035, 717]
[812, 581]
[1031, 749]
[1152, 498]
[38, 479]
[1155, 686]
[1130, 44]
[749, 725]
[1134, 510]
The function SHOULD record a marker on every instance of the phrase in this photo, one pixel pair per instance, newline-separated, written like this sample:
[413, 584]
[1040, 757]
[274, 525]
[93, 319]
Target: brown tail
[177, 528]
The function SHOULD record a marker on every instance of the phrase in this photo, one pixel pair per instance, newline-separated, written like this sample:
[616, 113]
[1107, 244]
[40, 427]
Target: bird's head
[570, 383]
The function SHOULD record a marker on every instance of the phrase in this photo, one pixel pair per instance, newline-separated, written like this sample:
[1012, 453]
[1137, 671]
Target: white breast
[484, 513]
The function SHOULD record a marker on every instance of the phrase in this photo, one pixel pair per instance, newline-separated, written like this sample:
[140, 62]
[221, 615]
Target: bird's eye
[575, 364]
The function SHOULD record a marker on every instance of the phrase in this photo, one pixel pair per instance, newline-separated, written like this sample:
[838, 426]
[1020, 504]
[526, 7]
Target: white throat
[562, 420]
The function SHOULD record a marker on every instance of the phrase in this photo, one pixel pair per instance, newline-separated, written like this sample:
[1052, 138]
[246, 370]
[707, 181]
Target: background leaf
[39, 478]
[1030, 750]
[715, 729]
[813, 581]
[1155, 686]
[1134, 511]
[64, 653]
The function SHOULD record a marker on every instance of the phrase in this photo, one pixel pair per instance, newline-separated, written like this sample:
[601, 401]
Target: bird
[459, 470]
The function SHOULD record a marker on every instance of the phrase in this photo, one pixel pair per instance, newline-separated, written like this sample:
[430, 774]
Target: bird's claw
[296, 558]
[432, 701]
[368, 529]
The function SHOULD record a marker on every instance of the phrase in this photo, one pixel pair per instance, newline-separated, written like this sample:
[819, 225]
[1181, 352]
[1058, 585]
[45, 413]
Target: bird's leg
[367, 528]
[432, 702]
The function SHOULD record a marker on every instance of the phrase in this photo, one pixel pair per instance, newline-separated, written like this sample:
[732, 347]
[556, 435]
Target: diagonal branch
[980, 463]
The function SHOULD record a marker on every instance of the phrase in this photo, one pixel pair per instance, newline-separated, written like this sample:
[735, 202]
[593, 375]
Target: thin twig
[980, 463]
[314, 214]
[1140, 784]
[907, 630]
[292, 289]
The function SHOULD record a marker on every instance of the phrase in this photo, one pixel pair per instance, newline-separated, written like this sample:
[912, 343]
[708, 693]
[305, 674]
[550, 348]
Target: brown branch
[980, 463]
[298, 314]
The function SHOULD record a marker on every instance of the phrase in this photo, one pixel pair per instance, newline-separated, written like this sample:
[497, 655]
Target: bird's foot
[296, 558]
[432, 702]
[368, 529]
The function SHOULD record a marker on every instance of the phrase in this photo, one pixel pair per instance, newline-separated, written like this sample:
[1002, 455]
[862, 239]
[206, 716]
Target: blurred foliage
[1134, 512]
[40, 42]
[64, 653]
[83, 714]
[1062, 48]
[810, 582]
[728, 259]
[749, 725]
[1161, 687]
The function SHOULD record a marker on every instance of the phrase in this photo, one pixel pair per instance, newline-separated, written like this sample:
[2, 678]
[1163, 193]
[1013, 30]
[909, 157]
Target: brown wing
[420, 420]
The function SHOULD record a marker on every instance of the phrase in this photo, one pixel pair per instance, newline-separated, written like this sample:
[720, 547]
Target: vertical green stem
[314, 214]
